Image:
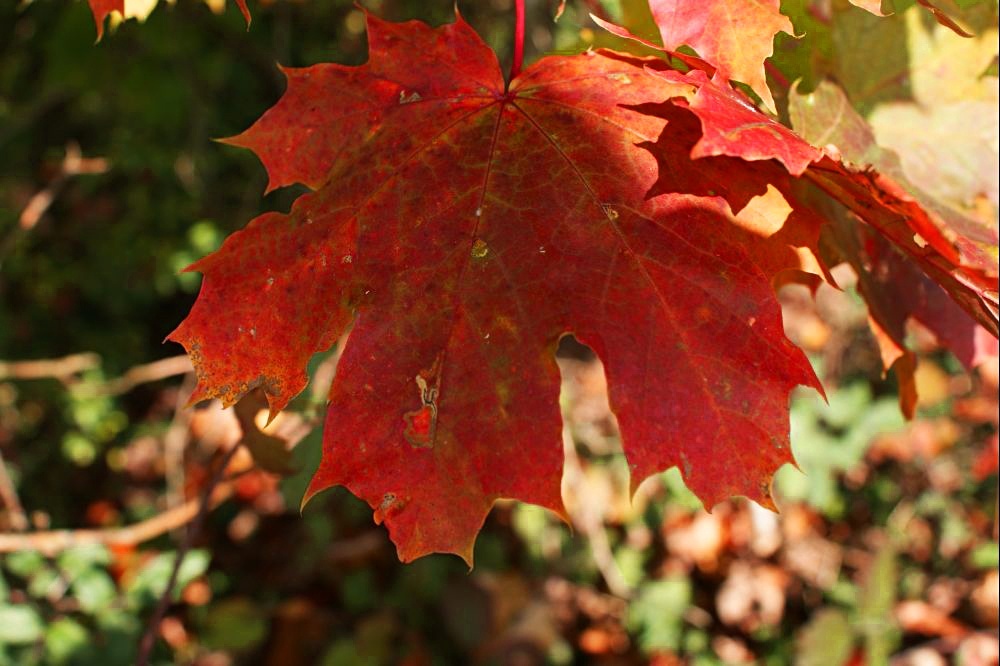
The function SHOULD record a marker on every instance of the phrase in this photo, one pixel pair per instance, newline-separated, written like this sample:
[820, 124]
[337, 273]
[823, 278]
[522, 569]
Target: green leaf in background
[119, 636]
[235, 624]
[679, 492]
[829, 439]
[305, 459]
[949, 93]
[149, 583]
[826, 641]
[19, 625]
[343, 651]
[531, 524]
[985, 556]
[631, 562]
[24, 563]
[95, 590]
[358, 591]
[66, 641]
[75, 561]
[874, 618]
[43, 582]
[657, 614]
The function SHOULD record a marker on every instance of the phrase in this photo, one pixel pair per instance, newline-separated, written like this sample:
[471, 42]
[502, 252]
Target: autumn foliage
[451, 211]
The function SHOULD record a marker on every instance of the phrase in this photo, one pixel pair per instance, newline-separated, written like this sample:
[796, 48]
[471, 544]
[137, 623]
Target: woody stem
[515, 67]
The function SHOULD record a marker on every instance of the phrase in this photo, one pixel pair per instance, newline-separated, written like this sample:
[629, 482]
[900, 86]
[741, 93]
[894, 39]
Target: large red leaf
[465, 227]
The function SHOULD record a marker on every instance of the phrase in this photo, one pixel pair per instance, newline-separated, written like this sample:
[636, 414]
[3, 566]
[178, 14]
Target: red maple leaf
[954, 251]
[735, 36]
[465, 225]
[889, 260]
[896, 292]
[959, 255]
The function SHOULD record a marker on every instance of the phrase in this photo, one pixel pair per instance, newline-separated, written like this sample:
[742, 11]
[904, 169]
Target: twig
[58, 368]
[9, 499]
[322, 379]
[52, 542]
[596, 8]
[355, 548]
[590, 524]
[149, 637]
[175, 441]
[778, 76]
[144, 374]
[73, 164]
[67, 366]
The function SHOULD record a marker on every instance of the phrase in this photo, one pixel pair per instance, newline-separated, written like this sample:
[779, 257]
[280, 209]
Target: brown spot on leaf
[421, 423]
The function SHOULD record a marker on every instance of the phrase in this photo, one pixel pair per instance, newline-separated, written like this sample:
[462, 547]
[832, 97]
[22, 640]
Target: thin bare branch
[144, 374]
[52, 542]
[176, 440]
[58, 368]
[68, 366]
[204, 505]
[10, 500]
[73, 164]
[356, 548]
[591, 523]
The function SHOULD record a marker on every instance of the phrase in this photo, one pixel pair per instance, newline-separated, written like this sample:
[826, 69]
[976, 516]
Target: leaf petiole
[515, 66]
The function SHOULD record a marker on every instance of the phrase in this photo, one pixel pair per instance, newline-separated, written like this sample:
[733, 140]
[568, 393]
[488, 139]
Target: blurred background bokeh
[885, 550]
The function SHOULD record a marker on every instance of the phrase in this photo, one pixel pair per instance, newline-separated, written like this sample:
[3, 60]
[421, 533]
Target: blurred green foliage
[78, 614]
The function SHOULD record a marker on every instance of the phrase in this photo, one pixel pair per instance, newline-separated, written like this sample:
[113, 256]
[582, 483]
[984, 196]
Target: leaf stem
[515, 66]
[148, 641]
[778, 76]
